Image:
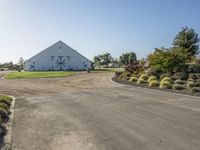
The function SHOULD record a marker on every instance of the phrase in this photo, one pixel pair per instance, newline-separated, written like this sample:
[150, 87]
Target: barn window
[60, 47]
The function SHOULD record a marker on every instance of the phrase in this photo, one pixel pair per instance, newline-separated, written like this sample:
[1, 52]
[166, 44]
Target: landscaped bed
[191, 86]
[35, 74]
[5, 104]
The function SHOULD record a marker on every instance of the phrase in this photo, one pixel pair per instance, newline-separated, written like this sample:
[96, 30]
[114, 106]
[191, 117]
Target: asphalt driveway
[89, 112]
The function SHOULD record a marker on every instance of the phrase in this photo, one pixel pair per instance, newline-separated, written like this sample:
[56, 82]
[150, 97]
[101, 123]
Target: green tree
[165, 60]
[127, 58]
[186, 43]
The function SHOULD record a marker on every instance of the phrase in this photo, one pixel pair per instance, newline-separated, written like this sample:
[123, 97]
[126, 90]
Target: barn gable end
[58, 56]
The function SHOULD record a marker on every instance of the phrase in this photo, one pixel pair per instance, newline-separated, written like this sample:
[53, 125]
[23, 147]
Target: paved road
[88, 112]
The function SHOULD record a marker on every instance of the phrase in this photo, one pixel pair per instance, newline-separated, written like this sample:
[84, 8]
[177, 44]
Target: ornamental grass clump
[143, 77]
[178, 87]
[141, 81]
[154, 83]
[133, 79]
[191, 84]
[166, 79]
[152, 78]
[179, 81]
[165, 85]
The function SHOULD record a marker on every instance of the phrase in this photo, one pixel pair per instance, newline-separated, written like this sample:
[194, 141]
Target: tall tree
[186, 42]
[127, 58]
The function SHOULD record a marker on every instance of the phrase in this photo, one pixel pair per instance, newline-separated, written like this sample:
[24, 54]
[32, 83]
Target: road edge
[131, 86]
[9, 127]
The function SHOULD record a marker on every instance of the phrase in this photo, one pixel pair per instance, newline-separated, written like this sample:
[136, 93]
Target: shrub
[180, 75]
[164, 75]
[195, 89]
[141, 81]
[134, 75]
[154, 83]
[165, 85]
[179, 81]
[125, 74]
[4, 106]
[151, 78]
[133, 79]
[4, 115]
[166, 79]
[191, 84]
[193, 76]
[143, 77]
[178, 87]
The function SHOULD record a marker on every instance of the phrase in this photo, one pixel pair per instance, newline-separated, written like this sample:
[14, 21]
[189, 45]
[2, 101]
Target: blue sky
[92, 26]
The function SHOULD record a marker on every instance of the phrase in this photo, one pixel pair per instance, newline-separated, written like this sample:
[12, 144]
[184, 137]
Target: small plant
[179, 81]
[195, 89]
[191, 84]
[141, 81]
[143, 77]
[134, 75]
[133, 79]
[166, 79]
[178, 87]
[4, 106]
[4, 115]
[165, 85]
[125, 74]
[151, 78]
[154, 83]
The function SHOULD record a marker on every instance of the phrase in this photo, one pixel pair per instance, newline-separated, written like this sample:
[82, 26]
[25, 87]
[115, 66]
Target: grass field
[17, 75]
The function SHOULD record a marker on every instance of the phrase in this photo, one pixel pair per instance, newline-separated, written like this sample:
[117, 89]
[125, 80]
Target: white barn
[58, 57]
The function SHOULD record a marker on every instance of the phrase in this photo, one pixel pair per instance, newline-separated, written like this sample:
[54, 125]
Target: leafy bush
[179, 81]
[191, 84]
[195, 89]
[151, 78]
[164, 75]
[178, 87]
[133, 79]
[154, 83]
[141, 81]
[126, 78]
[125, 74]
[4, 106]
[166, 79]
[194, 68]
[193, 76]
[165, 85]
[180, 75]
[4, 115]
[143, 77]
[134, 75]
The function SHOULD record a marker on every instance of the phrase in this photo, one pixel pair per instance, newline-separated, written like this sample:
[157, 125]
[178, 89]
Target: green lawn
[17, 75]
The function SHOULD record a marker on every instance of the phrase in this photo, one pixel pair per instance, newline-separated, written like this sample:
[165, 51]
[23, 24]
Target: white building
[59, 56]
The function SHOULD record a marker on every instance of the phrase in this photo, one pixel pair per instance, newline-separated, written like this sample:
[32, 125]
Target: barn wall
[57, 57]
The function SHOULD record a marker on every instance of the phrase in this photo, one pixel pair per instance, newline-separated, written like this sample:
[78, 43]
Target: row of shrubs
[5, 103]
[163, 82]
